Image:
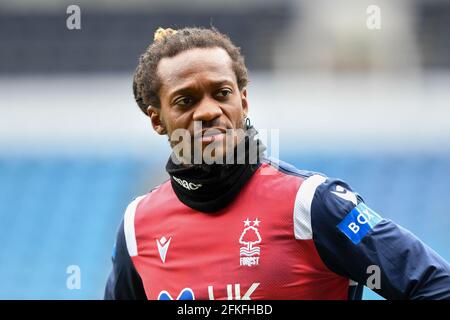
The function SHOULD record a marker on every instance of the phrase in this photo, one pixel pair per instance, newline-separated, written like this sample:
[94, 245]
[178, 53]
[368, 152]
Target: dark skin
[199, 85]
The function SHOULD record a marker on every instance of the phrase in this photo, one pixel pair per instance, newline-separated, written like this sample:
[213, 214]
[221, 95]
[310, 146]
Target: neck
[211, 187]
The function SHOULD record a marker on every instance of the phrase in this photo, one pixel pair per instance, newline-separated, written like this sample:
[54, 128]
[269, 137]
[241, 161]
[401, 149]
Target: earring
[248, 123]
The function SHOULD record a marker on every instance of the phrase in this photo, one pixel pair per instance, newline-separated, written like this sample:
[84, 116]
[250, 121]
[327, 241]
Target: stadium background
[369, 106]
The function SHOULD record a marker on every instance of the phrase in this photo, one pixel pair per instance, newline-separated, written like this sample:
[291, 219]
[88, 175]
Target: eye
[184, 101]
[224, 93]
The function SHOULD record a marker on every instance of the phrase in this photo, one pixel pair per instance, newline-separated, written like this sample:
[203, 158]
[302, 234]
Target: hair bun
[162, 33]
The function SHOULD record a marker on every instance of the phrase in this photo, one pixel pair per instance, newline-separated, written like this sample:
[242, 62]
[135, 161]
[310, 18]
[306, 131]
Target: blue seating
[57, 211]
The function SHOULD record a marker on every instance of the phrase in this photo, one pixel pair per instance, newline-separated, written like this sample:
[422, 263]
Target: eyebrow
[186, 87]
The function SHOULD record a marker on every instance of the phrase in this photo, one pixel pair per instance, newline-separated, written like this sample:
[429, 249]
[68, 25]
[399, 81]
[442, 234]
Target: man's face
[199, 86]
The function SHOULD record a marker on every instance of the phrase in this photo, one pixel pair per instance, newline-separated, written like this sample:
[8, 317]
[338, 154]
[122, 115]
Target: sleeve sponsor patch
[359, 222]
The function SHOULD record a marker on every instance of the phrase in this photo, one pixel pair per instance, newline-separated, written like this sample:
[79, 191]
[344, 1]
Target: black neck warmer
[211, 187]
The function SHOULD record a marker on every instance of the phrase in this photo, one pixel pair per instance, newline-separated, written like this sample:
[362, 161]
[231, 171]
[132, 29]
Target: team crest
[250, 238]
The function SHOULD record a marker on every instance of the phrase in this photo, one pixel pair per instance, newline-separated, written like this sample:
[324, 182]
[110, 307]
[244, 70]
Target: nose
[207, 110]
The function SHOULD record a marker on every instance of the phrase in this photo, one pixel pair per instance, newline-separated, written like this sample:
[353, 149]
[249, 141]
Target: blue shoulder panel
[124, 283]
[354, 241]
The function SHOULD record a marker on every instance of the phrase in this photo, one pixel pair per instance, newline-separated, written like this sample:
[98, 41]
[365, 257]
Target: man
[235, 225]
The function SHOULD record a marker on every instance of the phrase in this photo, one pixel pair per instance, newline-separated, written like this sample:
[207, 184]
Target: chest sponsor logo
[234, 292]
[250, 238]
[185, 294]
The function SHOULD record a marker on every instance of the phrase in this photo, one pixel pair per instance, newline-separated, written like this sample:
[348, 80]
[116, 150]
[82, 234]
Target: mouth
[211, 134]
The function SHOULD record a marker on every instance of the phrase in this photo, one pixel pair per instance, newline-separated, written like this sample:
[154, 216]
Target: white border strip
[302, 208]
[128, 227]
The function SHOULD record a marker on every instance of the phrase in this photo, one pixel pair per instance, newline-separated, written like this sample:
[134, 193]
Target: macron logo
[343, 193]
[163, 245]
[187, 185]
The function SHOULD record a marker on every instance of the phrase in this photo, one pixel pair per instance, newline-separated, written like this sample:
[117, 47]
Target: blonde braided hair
[162, 33]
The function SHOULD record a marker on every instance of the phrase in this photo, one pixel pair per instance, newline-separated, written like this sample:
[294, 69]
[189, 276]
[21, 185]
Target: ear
[155, 117]
[244, 101]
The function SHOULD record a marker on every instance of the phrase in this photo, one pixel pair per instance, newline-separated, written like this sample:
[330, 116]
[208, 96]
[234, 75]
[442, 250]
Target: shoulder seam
[277, 164]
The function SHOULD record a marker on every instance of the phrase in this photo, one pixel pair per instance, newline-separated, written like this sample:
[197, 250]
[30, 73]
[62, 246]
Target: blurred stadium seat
[58, 211]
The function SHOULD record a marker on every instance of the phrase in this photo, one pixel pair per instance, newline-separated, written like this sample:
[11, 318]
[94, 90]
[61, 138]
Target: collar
[211, 187]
